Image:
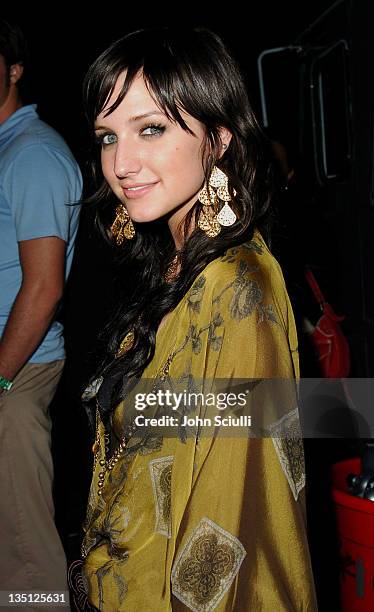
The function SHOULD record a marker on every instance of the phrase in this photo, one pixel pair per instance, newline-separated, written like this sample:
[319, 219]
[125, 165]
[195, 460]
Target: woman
[180, 518]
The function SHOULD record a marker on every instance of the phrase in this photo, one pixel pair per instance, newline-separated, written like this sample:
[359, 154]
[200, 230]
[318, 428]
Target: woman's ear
[225, 137]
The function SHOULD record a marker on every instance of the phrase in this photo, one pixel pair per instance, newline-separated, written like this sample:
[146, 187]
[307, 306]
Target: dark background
[326, 223]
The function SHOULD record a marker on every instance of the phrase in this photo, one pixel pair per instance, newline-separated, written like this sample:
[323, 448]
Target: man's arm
[43, 267]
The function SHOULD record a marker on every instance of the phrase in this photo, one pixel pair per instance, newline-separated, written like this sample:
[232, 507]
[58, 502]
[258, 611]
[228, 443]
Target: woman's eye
[108, 139]
[153, 130]
[105, 139]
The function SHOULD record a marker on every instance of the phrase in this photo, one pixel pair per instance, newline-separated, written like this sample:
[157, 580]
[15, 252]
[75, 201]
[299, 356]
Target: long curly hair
[189, 69]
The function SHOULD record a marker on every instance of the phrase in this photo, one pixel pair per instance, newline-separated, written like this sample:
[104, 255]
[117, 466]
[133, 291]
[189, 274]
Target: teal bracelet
[5, 383]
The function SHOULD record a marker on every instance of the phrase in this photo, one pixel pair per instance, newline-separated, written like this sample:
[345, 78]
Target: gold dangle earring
[226, 215]
[122, 226]
[207, 219]
[210, 196]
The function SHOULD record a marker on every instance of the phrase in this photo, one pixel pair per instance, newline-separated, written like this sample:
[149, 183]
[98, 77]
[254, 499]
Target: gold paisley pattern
[160, 470]
[206, 566]
[287, 439]
[165, 486]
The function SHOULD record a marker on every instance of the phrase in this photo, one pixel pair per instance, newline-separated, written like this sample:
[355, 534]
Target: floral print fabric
[207, 522]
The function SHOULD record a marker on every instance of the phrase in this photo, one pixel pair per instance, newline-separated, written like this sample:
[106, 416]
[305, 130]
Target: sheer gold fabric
[208, 523]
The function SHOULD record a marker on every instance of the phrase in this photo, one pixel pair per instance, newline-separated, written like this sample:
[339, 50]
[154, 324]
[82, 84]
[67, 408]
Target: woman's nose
[126, 162]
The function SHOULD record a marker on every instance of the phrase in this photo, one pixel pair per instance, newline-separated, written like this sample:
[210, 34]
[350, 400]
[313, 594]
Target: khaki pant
[31, 553]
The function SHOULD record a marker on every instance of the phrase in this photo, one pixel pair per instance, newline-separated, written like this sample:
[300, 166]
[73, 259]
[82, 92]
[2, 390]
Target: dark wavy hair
[189, 69]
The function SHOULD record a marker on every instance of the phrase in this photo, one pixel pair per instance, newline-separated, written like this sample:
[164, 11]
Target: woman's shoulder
[246, 279]
[247, 261]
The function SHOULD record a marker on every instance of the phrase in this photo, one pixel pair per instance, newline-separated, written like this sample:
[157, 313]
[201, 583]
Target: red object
[327, 337]
[355, 523]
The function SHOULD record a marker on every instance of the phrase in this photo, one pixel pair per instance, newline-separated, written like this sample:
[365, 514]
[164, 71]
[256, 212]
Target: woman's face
[151, 164]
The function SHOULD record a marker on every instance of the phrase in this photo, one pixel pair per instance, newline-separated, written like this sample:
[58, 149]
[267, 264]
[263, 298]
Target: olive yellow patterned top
[207, 522]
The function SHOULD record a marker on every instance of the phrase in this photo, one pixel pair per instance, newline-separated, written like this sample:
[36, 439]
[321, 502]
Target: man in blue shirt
[39, 184]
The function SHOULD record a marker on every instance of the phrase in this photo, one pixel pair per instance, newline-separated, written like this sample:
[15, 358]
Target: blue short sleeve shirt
[40, 184]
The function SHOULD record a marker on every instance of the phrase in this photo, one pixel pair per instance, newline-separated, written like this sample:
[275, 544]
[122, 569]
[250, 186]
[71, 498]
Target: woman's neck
[176, 223]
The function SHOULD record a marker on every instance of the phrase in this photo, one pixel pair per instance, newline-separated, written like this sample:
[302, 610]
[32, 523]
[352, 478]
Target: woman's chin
[145, 218]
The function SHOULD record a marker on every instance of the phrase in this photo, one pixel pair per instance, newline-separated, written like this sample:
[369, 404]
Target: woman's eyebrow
[145, 115]
[135, 118]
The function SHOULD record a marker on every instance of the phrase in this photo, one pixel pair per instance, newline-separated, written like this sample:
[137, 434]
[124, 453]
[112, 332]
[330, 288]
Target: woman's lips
[132, 193]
